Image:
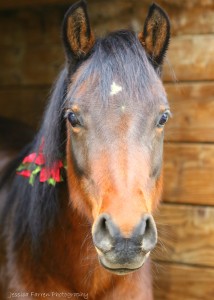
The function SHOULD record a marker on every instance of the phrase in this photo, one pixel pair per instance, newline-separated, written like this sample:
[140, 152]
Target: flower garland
[34, 165]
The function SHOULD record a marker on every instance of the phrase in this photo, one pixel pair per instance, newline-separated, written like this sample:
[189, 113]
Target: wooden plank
[37, 65]
[33, 27]
[25, 105]
[197, 19]
[43, 24]
[192, 106]
[100, 7]
[189, 173]
[185, 17]
[11, 4]
[178, 282]
[188, 59]
[186, 234]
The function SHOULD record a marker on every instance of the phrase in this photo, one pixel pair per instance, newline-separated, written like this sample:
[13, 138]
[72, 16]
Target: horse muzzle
[122, 255]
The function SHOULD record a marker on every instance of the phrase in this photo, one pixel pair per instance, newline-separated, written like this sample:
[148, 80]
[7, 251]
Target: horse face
[114, 155]
[116, 111]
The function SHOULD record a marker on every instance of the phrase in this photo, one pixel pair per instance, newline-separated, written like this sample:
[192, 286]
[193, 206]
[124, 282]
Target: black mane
[34, 208]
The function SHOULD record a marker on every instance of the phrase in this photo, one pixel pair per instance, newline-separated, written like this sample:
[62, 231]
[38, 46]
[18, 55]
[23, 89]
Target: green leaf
[37, 170]
[51, 181]
[32, 179]
[21, 168]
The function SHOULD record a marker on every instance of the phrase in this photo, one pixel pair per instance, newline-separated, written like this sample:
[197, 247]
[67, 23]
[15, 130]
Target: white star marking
[115, 89]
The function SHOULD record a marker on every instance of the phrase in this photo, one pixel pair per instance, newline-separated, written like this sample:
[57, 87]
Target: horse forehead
[118, 97]
[122, 86]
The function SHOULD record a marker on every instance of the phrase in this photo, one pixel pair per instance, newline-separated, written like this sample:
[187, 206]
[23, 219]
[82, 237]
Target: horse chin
[122, 269]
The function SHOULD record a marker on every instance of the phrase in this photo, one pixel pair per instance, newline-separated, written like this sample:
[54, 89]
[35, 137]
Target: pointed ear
[77, 36]
[156, 34]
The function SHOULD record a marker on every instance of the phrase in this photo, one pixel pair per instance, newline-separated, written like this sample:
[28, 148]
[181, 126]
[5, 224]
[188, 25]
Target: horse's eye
[163, 119]
[72, 118]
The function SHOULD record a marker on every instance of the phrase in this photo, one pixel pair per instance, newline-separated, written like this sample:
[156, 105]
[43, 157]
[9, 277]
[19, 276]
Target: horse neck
[68, 254]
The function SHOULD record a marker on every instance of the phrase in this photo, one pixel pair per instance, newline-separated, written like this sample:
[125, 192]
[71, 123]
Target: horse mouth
[119, 271]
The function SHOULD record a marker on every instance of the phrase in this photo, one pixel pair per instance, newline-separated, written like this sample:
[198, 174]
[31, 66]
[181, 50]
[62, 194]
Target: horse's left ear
[77, 35]
[156, 34]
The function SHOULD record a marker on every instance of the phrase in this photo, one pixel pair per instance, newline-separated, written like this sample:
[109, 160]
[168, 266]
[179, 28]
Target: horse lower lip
[119, 270]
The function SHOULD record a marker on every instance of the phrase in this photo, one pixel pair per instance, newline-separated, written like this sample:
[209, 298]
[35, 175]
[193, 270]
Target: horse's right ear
[77, 36]
[156, 34]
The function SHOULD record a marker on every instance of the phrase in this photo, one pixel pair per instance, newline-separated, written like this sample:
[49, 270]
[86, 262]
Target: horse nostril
[104, 233]
[150, 234]
[146, 233]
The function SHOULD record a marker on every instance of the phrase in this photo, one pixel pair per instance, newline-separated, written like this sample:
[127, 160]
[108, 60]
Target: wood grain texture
[190, 17]
[33, 26]
[189, 173]
[37, 65]
[186, 17]
[179, 282]
[190, 58]
[192, 106]
[11, 4]
[186, 234]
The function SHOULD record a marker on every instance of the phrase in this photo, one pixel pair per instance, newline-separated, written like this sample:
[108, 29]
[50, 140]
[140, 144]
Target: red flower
[34, 163]
[35, 158]
[53, 172]
[25, 173]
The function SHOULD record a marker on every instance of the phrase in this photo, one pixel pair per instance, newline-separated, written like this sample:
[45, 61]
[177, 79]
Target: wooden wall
[30, 58]
[187, 215]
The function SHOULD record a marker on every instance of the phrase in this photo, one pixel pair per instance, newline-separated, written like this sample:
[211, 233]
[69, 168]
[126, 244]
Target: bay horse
[76, 221]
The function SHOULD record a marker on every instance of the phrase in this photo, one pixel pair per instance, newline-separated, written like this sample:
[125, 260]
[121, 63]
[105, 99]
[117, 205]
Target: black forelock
[119, 55]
